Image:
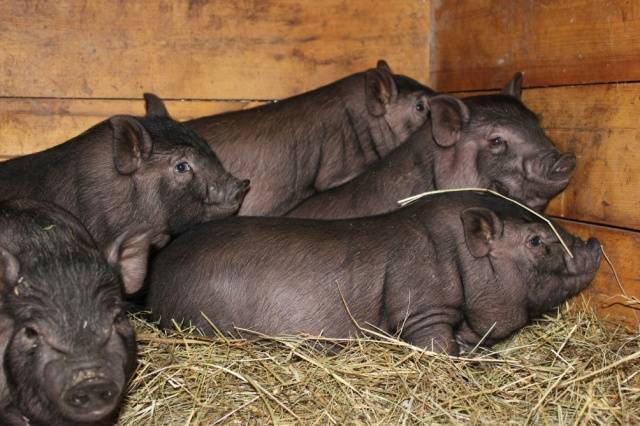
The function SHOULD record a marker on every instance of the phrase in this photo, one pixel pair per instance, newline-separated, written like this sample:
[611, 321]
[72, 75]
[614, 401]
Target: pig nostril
[79, 399]
[106, 395]
[564, 166]
[91, 397]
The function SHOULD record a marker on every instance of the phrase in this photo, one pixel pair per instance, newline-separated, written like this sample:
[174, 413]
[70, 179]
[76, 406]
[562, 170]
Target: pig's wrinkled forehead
[66, 291]
[501, 109]
[168, 135]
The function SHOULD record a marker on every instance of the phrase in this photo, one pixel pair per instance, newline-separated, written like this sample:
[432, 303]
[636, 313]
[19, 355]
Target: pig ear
[514, 86]
[154, 106]
[381, 89]
[9, 270]
[129, 254]
[383, 65]
[131, 144]
[449, 115]
[481, 227]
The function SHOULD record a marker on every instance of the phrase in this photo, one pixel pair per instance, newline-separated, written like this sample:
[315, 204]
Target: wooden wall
[66, 65]
[581, 61]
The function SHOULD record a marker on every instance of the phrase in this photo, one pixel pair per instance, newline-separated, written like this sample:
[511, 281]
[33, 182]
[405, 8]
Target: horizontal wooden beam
[479, 44]
[32, 125]
[609, 298]
[265, 49]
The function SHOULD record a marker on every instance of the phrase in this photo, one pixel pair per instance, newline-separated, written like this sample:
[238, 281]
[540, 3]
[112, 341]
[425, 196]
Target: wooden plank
[600, 124]
[479, 44]
[607, 297]
[31, 125]
[200, 49]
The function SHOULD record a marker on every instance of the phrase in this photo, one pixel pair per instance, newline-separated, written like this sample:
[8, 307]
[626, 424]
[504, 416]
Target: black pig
[424, 271]
[129, 170]
[66, 344]
[488, 141]
[317, 140]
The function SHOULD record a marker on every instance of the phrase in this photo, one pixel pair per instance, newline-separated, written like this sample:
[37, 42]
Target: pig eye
[420, 106]
[535, 241]
[31, 334]
[497, 142]
[183, 167]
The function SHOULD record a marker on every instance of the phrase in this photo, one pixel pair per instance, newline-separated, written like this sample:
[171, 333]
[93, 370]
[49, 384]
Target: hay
[569, 368]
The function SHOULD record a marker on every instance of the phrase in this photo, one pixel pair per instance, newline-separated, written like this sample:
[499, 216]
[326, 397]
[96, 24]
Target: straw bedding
[567, 368]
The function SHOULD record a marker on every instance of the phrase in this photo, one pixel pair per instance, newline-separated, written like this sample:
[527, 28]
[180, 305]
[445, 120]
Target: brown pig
[448, 268]
[318, 140]
[129, 170]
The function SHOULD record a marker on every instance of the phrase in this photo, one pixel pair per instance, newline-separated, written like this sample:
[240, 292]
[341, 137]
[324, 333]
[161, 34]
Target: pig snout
[586, 259]
[551, 168]
[85, 393]
[546, 175]
[229, 194]
[562, 169]
[91, 400]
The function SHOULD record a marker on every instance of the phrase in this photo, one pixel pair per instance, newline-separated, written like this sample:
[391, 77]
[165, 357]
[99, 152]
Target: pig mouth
[218, 211]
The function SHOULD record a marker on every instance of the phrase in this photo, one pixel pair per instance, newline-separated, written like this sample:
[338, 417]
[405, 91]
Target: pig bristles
[567, 368]
[409, 200]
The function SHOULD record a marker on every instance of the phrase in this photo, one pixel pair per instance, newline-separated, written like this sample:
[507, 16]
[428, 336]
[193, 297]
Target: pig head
[496, 142]
[66, 345]
[515, 269]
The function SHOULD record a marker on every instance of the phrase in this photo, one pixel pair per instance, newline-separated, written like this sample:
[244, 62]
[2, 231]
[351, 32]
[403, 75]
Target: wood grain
[203, 49]
[607, 297]
[600, 124]
[32, 125]
[479, 44]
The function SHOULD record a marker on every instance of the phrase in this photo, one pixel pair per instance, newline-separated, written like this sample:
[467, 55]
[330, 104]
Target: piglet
[317, 140]
[66, 345]
[448, 268]
[128, 170]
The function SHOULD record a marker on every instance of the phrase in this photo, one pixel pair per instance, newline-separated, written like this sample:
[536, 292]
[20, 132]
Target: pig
[315, 141]
[487, 141]
[448, 268]
[66, 345]
[129, 170]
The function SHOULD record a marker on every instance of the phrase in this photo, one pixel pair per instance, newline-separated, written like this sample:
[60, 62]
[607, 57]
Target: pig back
[36, 230]
[272, 275]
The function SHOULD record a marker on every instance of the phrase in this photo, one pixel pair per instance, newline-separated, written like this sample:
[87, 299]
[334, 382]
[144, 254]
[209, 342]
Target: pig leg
[467, 338]
[437, 338]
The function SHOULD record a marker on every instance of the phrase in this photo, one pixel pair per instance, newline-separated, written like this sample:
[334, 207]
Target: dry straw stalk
[568, 368]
